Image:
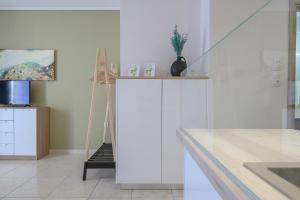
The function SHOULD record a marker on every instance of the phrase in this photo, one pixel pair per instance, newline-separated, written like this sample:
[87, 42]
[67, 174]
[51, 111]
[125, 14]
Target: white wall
[146, 28]
[198, 28]
[227, 14]
[241, 65]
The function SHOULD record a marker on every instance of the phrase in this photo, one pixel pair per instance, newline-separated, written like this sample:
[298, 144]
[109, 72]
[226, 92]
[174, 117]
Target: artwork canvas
[133, 70]
[27, 64]
[149, 70]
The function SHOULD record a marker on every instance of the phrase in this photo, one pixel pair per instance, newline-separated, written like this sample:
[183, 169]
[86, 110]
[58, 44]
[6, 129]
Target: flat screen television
[15, 93]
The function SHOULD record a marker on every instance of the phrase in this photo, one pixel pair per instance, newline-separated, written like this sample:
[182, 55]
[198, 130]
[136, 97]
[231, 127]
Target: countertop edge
[200, 154]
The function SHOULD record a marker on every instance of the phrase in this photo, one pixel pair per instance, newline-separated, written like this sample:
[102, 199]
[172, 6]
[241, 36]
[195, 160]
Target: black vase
[178, 66]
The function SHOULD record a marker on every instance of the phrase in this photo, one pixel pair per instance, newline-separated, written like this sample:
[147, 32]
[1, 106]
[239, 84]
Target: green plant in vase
[178, 41]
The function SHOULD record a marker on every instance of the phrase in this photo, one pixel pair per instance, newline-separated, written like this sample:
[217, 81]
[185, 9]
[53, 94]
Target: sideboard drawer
[6, 149]
[6, 114]
[6, 138]
[6, 126]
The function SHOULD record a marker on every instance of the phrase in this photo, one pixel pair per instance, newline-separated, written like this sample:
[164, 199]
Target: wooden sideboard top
[22, 107]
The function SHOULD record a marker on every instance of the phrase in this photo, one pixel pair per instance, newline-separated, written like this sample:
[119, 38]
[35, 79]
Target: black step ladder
[102, 159]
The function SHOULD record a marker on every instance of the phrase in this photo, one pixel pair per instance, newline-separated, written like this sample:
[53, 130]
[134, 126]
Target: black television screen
[15, 92]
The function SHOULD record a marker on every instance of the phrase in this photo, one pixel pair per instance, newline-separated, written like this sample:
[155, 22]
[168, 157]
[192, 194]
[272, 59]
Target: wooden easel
[103, 76]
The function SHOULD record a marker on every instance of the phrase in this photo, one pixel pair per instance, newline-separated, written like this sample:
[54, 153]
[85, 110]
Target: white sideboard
[148, 113]
[24, 132]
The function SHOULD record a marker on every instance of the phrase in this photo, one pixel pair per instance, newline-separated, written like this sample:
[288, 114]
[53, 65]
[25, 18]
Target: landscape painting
[27, 64]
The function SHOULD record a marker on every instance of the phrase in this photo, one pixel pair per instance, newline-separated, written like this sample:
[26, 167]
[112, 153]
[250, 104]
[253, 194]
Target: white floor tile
[22, 199]
[107, 188]
[112, 198]
[5, 168]
[24, 171]
[36, 188]
[178, 198]
[8, 185]
[59, 177]
[152, 194]
[100, 173]
[74, 187]
[66, 198]
[153, 198]
[177, 193]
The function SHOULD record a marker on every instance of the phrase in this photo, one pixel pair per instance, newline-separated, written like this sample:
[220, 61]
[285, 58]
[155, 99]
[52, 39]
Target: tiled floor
[58, 177]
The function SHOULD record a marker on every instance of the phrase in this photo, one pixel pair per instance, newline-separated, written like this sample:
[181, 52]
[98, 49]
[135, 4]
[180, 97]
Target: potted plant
[178, 41]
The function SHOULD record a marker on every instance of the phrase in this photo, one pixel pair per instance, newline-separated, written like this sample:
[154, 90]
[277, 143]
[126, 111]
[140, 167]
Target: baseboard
[18, 158]
[71, 151]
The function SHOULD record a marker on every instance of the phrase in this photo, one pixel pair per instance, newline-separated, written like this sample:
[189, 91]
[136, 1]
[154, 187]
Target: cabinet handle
[5, 133]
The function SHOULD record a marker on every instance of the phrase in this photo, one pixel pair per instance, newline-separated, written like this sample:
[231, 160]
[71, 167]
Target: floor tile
[107, 188]
[177, 193]
[66, 198]
[74, 187]
[8, 185]
[59, 177]
[151, 194]
[153, 198]
[24, 171]
[178, 198]
[112, 198]
[36, 188]
[100, 173]
[22, 199]
[5, 168]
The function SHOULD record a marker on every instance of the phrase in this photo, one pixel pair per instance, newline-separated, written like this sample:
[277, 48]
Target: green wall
[74, 35]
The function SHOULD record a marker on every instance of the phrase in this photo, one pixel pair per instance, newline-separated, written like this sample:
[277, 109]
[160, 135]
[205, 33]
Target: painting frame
[28, 64]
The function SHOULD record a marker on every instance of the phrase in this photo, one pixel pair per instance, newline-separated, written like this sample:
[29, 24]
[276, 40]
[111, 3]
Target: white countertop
[230, 149]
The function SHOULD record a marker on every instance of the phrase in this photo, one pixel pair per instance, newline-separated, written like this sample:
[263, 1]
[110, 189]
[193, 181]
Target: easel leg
[105, 123]
[84, 171]
[110, 122]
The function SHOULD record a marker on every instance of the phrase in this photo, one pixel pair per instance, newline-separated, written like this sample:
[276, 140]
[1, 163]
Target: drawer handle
[5, 121]
[5, 133]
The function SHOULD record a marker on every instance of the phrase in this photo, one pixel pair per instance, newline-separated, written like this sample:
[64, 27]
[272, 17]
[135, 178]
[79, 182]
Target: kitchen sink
[285, 177]
[292, 175]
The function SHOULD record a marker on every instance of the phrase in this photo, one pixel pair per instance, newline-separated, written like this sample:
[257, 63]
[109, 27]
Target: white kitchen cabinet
[138, 131]
[6, 126]
[148, 113]
[6, 114]
[172, 150]
[6, 149]
[24, 132]
[184, 105]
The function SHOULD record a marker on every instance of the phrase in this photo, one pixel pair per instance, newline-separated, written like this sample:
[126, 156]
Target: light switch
[276, 79]
[276, 66]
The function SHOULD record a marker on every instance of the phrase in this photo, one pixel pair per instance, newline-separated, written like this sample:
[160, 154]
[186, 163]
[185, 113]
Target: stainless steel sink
[285, 177]
[292, 175]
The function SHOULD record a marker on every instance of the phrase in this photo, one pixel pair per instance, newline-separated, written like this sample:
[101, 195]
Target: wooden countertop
[164, 77]
[222, 153]
[23, 107]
